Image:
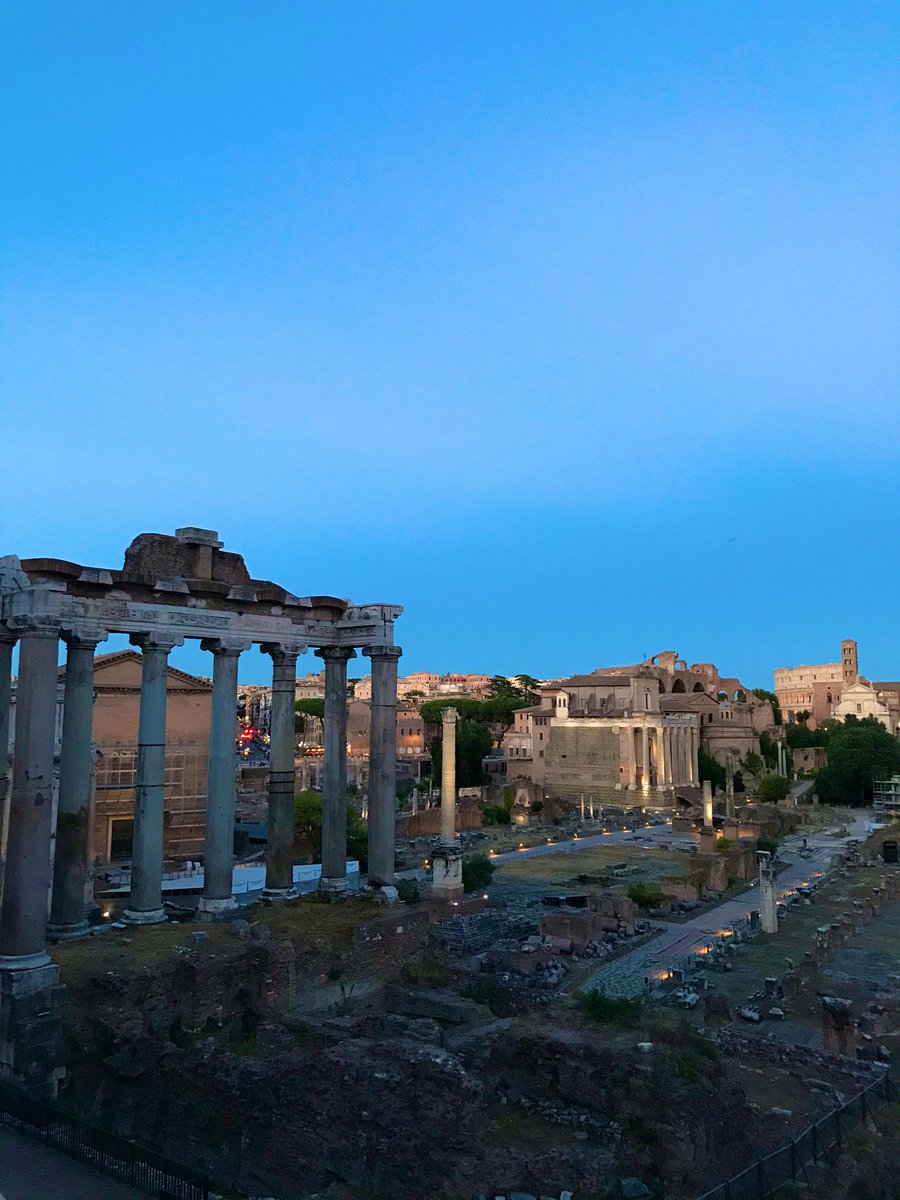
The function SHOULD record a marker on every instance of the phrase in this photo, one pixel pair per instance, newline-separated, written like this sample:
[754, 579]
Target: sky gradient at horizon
[571, 328]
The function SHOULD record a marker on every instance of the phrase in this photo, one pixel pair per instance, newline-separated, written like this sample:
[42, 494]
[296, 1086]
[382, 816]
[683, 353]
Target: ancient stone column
[334, 783]
[145, 905]
[23, 919]
[667, 753]
[71, 861]
[662, 758]
[768, 906]
[729, 786]
[645, 758]
[447, 855]
[383, 764]
[8, 641]
[694, 747]
[707, 804]
[282, 753]
[218, 849]
[449, 718]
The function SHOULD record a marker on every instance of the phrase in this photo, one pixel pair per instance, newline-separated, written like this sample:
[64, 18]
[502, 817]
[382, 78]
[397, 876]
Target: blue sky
[572, 327]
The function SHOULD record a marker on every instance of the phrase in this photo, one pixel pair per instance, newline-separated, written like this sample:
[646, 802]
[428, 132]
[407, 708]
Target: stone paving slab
[30, 1170]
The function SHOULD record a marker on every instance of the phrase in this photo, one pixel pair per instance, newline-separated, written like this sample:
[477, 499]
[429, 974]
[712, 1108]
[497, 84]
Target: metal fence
[143, 1169]
[762, 1180]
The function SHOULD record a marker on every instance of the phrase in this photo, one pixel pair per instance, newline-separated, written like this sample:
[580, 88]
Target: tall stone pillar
[145, 905]
[282, 754]
[32, 1047]
[71, 861]
[729, 786]
[8, 640]
[218, 849]
[23, 919]
[334, 783]
[447, 854]
[768, 907]
[707, 804]
[645, 758]
[694, 747]
[662, 758]
[383, 764]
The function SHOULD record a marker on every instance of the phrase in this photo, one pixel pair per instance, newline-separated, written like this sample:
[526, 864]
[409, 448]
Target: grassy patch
[611, 1010]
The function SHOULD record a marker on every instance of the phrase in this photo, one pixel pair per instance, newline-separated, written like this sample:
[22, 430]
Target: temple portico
[169, 590]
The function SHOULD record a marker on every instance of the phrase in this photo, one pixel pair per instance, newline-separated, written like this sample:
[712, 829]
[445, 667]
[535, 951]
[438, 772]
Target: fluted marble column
[334, 782]
[645, 758]
[23, 918]
[218, 849]
[383, 764]
[145, 905]
[282, 754]
[694, 745]
[8, 641]
[76, 767]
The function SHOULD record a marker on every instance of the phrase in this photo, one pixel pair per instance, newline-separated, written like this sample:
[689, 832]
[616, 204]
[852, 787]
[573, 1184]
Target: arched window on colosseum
[678, 686]
[698, 687]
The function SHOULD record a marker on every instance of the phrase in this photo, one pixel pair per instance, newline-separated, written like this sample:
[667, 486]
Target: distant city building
[633, 728]
[311, 686]
[886, 799]
[816, 689]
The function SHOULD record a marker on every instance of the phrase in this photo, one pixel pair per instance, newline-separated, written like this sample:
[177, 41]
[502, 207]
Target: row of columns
[677, 750]
[26, 807]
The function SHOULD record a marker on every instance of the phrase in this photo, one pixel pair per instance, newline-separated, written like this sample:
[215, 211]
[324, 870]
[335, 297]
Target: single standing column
[447, 854]
[707, 804]
[768, 906]
[662, 758]
[8, 641]
[218, 849]
[282, 754]
[383, 764]
[582, 808]
[334, 782]
[694, 744]
[645, 758]
[23, 920]
[76, 769]
[145, 906]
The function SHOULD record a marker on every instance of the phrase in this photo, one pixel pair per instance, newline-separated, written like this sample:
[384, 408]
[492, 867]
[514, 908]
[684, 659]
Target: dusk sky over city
[572, 328]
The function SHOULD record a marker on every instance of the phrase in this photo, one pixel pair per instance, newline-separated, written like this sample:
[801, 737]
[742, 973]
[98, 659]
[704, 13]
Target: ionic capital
[152, 640]
[284, 649]
[336, 654]
[226, 647]
[32, 626]
[388, 652]
[83, 637]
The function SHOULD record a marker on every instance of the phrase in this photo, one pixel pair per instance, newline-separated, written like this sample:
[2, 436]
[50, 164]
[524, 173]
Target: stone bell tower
[849, 662]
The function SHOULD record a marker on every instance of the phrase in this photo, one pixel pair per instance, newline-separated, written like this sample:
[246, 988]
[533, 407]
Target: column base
[155, 916]
[333, 886]
[446, 878]
[32, 1046]
[210, 910]
[279, 895]
[69, 932]
[25, 962]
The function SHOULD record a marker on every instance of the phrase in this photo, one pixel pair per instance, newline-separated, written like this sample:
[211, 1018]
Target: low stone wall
[427, 822]
[788, 1055]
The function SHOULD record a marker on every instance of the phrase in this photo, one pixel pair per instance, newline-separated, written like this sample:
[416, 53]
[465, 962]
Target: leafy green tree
[753, 762]
[531, 688]
[859, 752]
[304, 709]
[711, 770]
[501, 689]
[768, 747]
[308, 827]
[773, 788]
[477, 872]
[473, 742]
[763, 694]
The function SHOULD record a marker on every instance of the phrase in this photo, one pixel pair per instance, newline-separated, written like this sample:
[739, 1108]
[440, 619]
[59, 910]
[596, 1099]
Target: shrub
[493, 814]
[724, 844]
[767, 844]
[477, 872]
[408, 891]
[610, 1010]
[645, 896]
